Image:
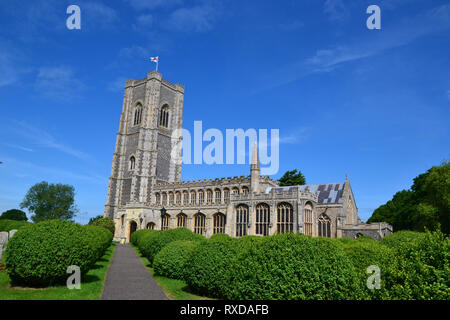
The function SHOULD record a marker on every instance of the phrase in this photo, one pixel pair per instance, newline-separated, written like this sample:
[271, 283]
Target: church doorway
[133, 227]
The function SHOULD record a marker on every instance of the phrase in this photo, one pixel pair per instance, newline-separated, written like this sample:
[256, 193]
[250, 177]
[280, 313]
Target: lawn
[91, 285]
[174, 289]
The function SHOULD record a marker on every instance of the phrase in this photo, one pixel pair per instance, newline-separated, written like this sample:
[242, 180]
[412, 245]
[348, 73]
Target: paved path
[128, 279]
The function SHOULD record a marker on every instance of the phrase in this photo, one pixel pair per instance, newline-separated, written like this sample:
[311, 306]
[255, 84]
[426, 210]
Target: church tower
[148, 143]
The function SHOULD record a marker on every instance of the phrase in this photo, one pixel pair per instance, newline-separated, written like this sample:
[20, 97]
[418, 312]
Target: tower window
[137, 114]
[164, 116]
[132, 163]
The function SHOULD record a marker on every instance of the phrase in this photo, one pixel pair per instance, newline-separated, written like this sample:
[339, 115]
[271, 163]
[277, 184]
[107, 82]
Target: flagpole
[157, 65]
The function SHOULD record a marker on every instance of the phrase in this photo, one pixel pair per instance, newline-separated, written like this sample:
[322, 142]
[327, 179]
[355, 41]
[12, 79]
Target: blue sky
[370, 103]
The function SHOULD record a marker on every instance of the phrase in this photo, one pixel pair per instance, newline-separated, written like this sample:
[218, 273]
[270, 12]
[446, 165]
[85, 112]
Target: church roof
[328, 192]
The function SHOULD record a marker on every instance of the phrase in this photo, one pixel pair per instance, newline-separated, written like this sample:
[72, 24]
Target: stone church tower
[148, 144]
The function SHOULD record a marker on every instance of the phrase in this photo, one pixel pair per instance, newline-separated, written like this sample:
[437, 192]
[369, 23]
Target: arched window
[122, 219]
[178, 198]
[241, 220]
[193, 197]
[199, 223]
[164, 116]
[235, 191]
[132, 163]
[171, 198]
[218, 196]
[181, 220]
[185, 197]
[209, 195]
[285, 218]
[164, 199]
[308, 218]
[244, 190]
[151, 226]
[219, 223]
[262, 219]
[165, 222]
[137, 114]
[324, 225]
[158, 198]
[201, 197]
[226, 195]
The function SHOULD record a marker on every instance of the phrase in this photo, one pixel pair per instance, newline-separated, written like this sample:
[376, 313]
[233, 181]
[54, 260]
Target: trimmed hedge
[137, 235]
[150, 244]
[39, 254]
[105, 223]
[402, 239]
[8, 225]
[171, 261]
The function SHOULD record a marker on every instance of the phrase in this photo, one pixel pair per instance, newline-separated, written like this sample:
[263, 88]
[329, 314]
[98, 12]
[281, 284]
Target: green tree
[14, 214]
[94, 219]
[50, 201]
[292, 178]
[425, 206]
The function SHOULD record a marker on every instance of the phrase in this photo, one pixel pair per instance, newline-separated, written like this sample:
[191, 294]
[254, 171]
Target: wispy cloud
[153, 4]
[17, 147]
[44, 139]
[336, 10]
[198, 19]
[19, 165]
[58, 83]
[99, 15]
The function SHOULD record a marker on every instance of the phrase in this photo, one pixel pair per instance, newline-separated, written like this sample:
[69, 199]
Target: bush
[172, 259]
[8, 225]
[100, 239]
[368, 252]
[105, 223]
[39, 254]
[150, 244]
[137, 235]
[401, 239]
[210, 263]
[14, 214]
[289, 266]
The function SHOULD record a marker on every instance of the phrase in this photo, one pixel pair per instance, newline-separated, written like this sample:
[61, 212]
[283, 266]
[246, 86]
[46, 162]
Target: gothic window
[164, 116]
[178, 198]
[164, 199]
[241, 220]
[185, 197]
[209, 195]
[199, 223]
[171, 198]
[193, 197]
[324, 225]
[308, 218]
[137, 114]
[150, 226]
[285, 218]
[158, 198]
[226, 195]
[201, 197]
[165, 222]
[218, 196]
[219, 223]
[132, 163]
[244, 190]
[235, 191]
[122, 220]
[181, 220]
[262, 219]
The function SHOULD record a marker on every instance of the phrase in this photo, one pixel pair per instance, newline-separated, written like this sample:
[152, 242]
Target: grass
[173, 288]
[91, 285]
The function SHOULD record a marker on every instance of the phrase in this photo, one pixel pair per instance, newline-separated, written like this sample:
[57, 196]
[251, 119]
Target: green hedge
[105, 223]
[402, 239]
[39, 254]
[137, 235]
[150, 244]
[8, 225]
[171, 261]
[210, 264]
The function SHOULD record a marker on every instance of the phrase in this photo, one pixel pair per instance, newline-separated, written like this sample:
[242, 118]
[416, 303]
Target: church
[145, 190]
